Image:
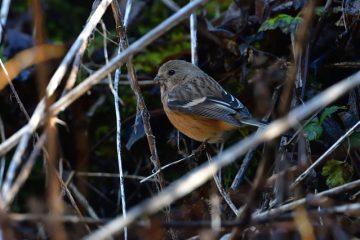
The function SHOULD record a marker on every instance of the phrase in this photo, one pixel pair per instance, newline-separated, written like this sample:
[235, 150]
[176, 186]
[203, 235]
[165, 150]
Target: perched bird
[197, 105]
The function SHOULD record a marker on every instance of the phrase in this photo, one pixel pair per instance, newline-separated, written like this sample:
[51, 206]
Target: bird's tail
[253, 122]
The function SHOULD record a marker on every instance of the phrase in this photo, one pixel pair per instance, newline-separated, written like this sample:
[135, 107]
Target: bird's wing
[225, 107]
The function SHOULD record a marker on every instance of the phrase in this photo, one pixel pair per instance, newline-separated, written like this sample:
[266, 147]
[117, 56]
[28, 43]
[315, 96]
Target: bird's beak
[158, 80]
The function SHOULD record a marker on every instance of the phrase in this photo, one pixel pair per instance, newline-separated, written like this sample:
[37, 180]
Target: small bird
[197, 105]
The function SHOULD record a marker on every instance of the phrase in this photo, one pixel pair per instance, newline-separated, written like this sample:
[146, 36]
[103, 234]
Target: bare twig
[30, 127]
[171, 5]
[84, 202]
[258, 184]
[2, 163]
[17, 97]
[193, 36]
[14, 164]
[106, 56]
[166, 166]
[141, 83]
[18, 217]
[354, 65]
[240, 175]
[25, 171]
[64, 187]
[287, 207]
[222, 191]
[324, 155]
[120, 29]
[347, 209]
[351, 209]
[204, 172]
[107, 175]
[127, 12]
[242, 171]
[127, 83]
[75, 68]
[118, 141]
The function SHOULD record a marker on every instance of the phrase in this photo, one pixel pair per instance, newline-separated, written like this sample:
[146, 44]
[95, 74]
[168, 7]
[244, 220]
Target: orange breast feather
[199, 128]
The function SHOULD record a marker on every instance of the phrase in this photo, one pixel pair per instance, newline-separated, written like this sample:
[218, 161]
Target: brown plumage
[197, 105]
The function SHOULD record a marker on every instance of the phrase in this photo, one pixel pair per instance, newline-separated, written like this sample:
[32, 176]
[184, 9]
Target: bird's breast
[199, 128]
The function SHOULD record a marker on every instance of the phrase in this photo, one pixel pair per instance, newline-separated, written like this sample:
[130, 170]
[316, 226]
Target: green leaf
[328, 111]
[284, 22]
[355, 140]
[336, 172]
[313, 130]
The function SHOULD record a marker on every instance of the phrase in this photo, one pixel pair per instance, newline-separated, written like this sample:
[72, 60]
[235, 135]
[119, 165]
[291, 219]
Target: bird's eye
[171, 72]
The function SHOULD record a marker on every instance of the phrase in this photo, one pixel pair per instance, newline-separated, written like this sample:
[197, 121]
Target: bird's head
[174, 72]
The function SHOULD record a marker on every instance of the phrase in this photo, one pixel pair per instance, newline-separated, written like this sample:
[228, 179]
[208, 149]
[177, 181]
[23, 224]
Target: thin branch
[29, 127]
[347, 209]
[2, 163]
[224, 194]
[75, 68]
[141, 83]
[287, 207]
[193, 36]
[127, 12]
[106, 56]
[324, 155]
[24, 173]
[118, 140]
[204, 172]
[14, 164]
[84, 202]
[171, 5]
[64, 187]
[222, 191]
[127, 83]
[109, 175]
[242, 171]
[119, 25]
[166, 166]
[18, 217]
[240, 175]
[16, 95]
